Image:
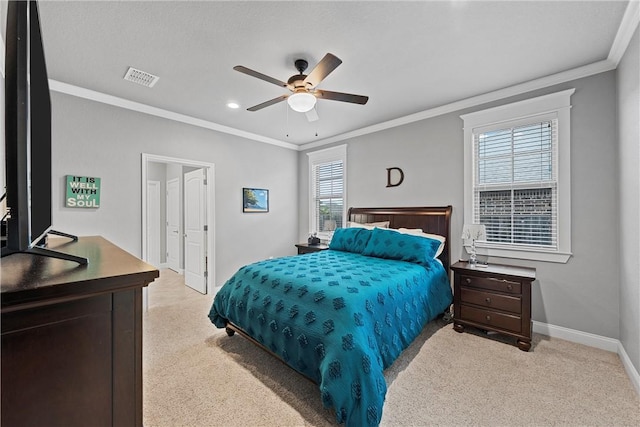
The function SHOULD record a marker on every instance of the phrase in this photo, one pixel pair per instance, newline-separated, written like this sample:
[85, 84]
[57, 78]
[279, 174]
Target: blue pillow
[350, 239]
[404, 247]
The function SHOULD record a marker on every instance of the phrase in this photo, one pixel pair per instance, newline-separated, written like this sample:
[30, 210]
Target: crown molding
[562, 77]
[93, 95]
[628, 26]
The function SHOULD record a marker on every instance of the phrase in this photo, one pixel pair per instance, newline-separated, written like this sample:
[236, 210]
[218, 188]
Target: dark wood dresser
[494, 298]
[72, 336]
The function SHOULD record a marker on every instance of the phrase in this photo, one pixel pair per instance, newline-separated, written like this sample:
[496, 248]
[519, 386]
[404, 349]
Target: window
[327, 180]
[517, 178]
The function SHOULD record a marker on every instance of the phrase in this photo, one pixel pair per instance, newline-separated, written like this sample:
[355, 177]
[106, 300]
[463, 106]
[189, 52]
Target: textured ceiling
[406, 56]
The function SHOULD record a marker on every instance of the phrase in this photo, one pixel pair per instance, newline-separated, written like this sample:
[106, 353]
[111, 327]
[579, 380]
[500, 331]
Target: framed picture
[255, 200]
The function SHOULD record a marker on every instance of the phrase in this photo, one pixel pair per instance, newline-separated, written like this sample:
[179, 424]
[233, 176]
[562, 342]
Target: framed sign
[82, 192]
[255, 200]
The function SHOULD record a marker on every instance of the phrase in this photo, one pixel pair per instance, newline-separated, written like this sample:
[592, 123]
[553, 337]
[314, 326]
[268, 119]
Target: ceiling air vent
[141, 77]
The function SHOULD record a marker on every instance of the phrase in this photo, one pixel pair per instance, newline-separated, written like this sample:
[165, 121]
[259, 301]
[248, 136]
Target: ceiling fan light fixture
[301, 102]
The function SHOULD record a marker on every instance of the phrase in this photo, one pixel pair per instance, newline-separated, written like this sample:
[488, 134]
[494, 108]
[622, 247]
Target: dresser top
[27, 278]
[503, 270]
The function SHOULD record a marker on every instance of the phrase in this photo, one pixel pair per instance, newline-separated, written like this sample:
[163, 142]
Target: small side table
[494, 298]
[305, 248]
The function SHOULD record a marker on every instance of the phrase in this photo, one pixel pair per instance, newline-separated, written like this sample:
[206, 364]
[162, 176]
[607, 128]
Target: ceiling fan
[303, 87]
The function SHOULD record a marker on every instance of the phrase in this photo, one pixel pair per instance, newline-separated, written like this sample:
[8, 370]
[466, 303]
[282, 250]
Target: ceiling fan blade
[326, 65]
[268, 103]
[312, 115]
[260, 76]
[339, 96]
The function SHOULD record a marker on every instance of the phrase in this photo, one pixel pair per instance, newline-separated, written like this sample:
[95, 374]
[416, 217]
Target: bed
[341, 316]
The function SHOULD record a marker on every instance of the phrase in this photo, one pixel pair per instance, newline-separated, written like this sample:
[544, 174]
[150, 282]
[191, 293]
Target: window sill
[525, 254]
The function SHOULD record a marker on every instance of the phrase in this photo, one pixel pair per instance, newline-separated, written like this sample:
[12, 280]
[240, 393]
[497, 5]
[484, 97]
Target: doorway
[174, 240]
[153, 223]
[201, 249]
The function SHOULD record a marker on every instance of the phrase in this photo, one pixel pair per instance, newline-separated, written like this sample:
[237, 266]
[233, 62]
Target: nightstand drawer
[304, 248]
[492, 283]
[509, 303]
[491, 318]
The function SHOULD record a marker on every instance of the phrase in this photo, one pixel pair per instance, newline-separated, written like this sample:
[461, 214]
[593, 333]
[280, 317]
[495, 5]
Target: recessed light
[233, 105]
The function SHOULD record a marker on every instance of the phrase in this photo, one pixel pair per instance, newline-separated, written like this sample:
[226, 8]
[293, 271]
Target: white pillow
[369, 225]
[419, 232]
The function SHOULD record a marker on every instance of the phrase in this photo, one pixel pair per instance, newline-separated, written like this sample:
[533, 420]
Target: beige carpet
[194, 375]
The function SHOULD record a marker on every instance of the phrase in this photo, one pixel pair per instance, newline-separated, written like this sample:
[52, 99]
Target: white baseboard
[592, 340]
[628, 366]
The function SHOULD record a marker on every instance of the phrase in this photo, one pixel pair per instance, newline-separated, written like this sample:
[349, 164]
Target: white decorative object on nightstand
[473, 232]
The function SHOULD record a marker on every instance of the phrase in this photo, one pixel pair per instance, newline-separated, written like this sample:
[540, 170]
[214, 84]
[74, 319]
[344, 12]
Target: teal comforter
[339, 318]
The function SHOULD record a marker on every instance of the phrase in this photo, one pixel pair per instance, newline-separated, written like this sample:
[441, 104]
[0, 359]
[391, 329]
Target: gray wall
[629, 214]
[582, 294]
[93, 139]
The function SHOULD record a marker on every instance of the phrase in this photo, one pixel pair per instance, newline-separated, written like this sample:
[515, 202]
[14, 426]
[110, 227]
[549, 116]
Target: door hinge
[206, 274]
[206, 228]
[204, 182]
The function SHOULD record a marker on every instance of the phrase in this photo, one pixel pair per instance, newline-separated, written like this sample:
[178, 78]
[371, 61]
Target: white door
[173, 224]
[195, 231]
[153, 223]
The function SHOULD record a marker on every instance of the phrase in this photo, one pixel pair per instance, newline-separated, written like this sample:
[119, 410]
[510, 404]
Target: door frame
[155, 231]
[209, 170]
[177, 268]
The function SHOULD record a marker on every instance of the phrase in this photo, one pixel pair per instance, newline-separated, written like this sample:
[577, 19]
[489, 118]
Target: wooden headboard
[434, 220]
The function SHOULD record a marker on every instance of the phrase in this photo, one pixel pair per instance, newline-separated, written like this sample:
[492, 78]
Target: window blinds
[515, 184]
[328, 195]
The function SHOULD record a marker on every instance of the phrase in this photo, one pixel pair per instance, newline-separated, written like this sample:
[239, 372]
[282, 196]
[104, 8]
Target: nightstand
[494, 298]
[305, 248]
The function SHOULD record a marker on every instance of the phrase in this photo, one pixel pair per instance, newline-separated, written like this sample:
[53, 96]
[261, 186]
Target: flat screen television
[27, 218]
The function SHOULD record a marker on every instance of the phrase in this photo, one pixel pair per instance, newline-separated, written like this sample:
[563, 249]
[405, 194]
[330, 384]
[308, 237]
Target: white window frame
[325, 156]
[558, 104]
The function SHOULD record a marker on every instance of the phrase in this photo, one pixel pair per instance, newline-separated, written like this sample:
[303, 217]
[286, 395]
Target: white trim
[591, 340]
[633, 374]
[322, 156]
[560, 103]
[211, 235]
[543, 82]
[573, 335]
[625, 32]
[562, 77]
[623, 37]
[517, 110]
[159, 112]
[545, 256]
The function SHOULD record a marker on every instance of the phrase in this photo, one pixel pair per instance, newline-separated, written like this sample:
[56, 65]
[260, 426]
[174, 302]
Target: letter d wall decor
[399, 177]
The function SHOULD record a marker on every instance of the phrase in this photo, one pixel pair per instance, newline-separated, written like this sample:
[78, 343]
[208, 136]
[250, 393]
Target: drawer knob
[468, 281]
[488, 300]
[510, 286]
[488, 318]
